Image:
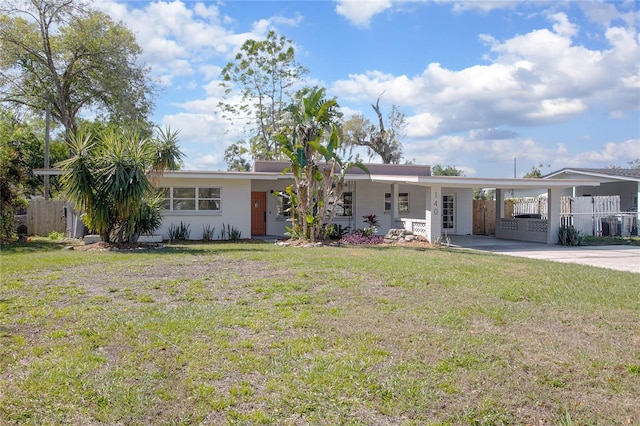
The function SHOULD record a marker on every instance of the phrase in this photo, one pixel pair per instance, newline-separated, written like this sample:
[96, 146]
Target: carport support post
[638, 210]
[394, 205]
[433, 213]
[499, 205]
[553, 215]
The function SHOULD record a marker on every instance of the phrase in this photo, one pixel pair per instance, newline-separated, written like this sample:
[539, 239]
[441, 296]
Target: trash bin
[609, 226]
[22, 233]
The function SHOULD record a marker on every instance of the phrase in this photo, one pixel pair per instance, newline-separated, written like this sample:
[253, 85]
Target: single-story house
[401, 196]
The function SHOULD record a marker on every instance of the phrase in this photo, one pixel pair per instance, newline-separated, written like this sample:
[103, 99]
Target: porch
[449, 202]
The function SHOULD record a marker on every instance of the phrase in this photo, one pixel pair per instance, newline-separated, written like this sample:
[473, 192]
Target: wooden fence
[598, 215]
[484, 217]
[45, 216]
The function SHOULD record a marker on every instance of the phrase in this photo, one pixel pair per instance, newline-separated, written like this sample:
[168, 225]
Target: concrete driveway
[621, 258]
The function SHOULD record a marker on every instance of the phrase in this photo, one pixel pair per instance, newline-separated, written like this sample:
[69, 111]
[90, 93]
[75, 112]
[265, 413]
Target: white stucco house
[399, 195]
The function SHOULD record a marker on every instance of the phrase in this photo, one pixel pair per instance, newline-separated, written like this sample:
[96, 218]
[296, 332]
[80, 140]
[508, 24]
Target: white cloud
[493, 154]
[612, 153]
[483, 6]
[422, 125]
[207, 135]
[492, 134]
[359, 13]
[562, 26]
[533, 79]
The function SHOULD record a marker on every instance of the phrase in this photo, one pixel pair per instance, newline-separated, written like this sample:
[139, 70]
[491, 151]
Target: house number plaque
[435, 204]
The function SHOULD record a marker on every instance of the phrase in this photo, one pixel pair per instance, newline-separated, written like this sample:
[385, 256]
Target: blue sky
[554, 83]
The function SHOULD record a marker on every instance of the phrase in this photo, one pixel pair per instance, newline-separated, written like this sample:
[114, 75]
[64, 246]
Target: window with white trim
[403, 202]
[192, 199]
[345, 207]
[283, 207]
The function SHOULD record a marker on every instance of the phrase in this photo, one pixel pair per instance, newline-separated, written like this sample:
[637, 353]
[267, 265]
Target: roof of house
[383, 173]
[617, 174]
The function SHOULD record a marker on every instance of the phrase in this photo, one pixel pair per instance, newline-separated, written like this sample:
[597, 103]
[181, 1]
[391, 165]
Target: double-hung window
[403, 202]
[345, 206]
[283, 208]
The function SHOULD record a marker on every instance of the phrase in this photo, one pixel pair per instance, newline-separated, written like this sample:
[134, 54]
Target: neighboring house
[609, 209]
[622, 182]
[399, 195]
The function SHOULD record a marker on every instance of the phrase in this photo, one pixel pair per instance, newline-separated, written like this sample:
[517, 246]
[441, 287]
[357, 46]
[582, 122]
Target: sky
[493, 88]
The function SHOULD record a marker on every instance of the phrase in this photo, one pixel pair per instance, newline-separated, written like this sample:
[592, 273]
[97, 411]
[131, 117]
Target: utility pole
[46, 151]
[514, 173]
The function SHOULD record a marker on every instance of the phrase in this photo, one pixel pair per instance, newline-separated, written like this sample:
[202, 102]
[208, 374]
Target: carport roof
[488, 183]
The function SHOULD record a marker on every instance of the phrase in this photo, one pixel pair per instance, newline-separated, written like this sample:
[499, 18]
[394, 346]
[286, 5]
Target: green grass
[600, 241]
[252, 333]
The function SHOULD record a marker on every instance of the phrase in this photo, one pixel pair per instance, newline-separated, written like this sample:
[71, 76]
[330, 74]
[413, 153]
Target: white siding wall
[463, 209]
[235, 203]
[369, 199]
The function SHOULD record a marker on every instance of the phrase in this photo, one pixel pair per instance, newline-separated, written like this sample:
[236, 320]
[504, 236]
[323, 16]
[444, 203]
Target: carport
[432, 225]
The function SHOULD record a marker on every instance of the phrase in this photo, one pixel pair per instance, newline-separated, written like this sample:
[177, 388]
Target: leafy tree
[264, 73]
[483, 194]
[234, 157]
[24, 134]
[12, 173]
[438, 170]
[534, 173]
[382, 141]
[634, 164]
[311, 145]
[109, 179]
[59, 54]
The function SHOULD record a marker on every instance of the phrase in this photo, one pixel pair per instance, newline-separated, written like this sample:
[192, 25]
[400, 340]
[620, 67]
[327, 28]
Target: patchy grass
[259, 334]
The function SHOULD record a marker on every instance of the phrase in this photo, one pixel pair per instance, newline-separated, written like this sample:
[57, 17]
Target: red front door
[258, 213]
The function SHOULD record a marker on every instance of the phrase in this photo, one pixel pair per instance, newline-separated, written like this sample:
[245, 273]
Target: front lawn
[603, 241]
[252, 333]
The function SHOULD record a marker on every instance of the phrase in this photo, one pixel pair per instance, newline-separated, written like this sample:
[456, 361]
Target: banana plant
[311, 145]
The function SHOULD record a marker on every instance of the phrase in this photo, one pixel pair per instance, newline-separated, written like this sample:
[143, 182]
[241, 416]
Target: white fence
[595, 216]
[598, 216]
[528, 206]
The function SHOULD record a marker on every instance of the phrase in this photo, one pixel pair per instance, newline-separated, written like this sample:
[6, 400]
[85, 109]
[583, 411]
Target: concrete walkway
[621, 258]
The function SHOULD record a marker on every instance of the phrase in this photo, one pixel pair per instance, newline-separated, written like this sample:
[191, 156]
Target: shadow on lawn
[31, 247]
[183, 247]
